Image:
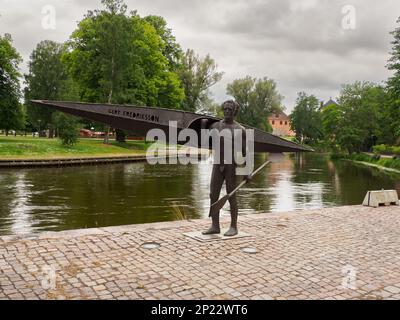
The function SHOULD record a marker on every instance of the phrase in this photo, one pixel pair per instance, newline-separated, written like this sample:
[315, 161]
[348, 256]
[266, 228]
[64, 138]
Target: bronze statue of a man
[225, 168]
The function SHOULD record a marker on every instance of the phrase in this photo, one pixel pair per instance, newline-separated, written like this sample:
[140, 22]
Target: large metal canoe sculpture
[142, 119]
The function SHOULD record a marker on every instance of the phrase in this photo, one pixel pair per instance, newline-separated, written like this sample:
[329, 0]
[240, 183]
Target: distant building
[280, 124]
[328, 103]
[85, 133]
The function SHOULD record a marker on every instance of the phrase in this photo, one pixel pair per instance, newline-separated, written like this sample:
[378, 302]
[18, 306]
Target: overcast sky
[304, 45]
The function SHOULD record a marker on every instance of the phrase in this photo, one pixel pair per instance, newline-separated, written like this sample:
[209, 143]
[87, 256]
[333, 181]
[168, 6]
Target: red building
[280, 124]
[85, 133]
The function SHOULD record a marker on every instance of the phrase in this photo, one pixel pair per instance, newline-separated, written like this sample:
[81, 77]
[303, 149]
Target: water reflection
[19, 219]
[33, 200]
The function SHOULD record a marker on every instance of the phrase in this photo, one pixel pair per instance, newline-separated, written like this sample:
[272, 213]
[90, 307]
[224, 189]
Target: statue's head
[230, 109]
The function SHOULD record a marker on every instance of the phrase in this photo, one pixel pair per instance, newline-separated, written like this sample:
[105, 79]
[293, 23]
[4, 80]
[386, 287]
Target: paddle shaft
[222, 201]
[251, 176]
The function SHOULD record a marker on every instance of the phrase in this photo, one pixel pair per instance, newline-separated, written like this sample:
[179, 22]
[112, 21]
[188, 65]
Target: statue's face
[229, 112]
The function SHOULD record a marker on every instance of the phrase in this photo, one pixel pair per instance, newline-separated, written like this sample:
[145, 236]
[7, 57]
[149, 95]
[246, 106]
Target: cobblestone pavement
[348, 252]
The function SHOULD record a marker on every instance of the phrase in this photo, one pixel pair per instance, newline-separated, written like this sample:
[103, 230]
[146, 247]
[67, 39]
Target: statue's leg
[217, 179]
[230, 178]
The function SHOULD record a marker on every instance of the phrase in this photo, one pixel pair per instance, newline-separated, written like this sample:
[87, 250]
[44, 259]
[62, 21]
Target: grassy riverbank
[43, 148]
[389, 164]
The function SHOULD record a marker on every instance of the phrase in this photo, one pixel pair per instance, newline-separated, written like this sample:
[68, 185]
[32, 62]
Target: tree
[394, 61]
[361, 104]
[68, 129]
[306, 119]
[258, 98]
[118, 58]
[390, 119]
[197, 76]
[99, 51]
[171, 49]
[47, 79]
[331, 116]
[11, 113]
[393, 107]
[211, 108]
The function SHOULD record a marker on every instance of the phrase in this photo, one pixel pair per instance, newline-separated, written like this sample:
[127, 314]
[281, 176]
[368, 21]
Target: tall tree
[305, 118]
[11, 113]
[361, 105]
[171, 49]
[118, 58]
[197, 76]
[68, 128]
[392, 118]
[258, 98]
[47, 79]
[331, 117]
[100, 51]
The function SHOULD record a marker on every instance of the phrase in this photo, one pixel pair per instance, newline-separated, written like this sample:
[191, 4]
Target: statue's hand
[247, 178]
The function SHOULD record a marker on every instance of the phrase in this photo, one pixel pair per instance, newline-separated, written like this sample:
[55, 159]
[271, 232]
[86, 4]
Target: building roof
[329, 102]
[279, 116]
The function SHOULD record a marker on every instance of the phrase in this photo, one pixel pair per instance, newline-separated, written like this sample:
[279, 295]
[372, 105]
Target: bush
[68, 129]
[390, 163]
[381, 149]
[384, 149]
[393, 163]
[337, 156]
[361, 157]
[396, 150]
[376, 157]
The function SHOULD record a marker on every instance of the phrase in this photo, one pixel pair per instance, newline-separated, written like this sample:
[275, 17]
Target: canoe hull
[143, 119]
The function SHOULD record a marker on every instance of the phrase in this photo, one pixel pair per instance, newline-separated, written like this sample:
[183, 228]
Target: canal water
[43, 199]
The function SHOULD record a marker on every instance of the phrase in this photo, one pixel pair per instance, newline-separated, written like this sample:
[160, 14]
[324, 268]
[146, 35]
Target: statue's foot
[231, 232]
[212, 230]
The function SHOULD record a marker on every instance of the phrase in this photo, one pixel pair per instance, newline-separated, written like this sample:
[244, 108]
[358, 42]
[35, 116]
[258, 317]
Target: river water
[34, 200]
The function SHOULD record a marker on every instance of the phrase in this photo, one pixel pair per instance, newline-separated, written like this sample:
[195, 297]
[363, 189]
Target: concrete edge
[73, 161]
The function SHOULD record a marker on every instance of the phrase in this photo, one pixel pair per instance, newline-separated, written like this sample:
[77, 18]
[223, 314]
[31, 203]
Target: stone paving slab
[350, 252]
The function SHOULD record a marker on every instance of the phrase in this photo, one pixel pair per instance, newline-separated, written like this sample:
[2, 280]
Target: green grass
[377, 161]
[43, 148]
[290, 138]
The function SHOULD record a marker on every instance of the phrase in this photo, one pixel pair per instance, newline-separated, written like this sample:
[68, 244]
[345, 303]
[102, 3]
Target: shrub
[376, 157]
[396, 150]
[68, 129]
[381, 149]
[390, 163]
[393, 162]
[384, 149]
[337, 156]
[361, 157]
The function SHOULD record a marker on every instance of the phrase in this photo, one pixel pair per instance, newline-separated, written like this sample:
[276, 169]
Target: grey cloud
[316, 28]
[300, 44]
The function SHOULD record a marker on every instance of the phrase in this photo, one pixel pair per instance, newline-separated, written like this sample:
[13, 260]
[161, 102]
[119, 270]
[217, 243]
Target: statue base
[197, 235]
